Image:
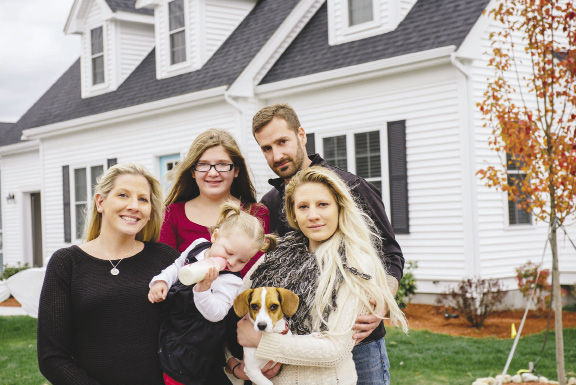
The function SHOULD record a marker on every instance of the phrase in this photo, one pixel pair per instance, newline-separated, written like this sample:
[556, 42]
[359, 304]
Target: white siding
[221, 19]
[428, 101]
[136, 42]
[21, 175]
[139, 140]
[504, 247]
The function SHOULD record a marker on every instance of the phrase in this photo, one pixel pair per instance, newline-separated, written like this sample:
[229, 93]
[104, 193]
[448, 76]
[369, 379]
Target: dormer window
[360, 11]
[97, 55]
[177, 31]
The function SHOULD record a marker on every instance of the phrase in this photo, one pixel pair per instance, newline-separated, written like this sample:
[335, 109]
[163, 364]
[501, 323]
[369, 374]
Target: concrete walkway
[11, 310]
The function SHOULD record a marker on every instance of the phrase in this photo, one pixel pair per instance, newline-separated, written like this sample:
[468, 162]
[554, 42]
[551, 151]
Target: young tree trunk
[557, 305]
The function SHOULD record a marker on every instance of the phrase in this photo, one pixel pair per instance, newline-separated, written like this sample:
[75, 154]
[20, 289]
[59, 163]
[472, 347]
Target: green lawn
[18, 364]
[422, 358]
[425, 358]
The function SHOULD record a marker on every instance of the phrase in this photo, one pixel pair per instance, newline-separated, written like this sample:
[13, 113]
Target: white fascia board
[358, 72]
[124, 114]
[18, 148]
[71, 26]
[146, 4]
[274, 47]
[133, 17]
[471, 47]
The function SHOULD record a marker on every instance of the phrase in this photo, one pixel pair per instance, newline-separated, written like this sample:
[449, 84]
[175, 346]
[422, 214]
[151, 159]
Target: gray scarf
[292, 267]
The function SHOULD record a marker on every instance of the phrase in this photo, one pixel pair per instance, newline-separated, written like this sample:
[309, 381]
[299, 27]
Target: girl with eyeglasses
[213, 172]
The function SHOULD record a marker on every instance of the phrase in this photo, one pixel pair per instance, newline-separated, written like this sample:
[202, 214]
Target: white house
[384, 88]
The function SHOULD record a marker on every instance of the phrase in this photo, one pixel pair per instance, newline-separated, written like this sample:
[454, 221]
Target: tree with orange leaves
[531, 106]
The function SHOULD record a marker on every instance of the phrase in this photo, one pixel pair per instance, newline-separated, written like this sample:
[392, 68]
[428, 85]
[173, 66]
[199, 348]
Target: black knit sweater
[97, 328]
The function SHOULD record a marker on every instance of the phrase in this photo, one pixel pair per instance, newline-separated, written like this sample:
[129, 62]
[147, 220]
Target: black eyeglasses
[220, 167]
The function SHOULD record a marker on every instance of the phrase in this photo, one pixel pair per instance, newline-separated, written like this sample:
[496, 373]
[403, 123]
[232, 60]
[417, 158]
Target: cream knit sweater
[316, 358]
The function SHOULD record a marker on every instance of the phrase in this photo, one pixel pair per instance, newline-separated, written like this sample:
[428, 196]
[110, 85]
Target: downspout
[237, 107]
[468, 141]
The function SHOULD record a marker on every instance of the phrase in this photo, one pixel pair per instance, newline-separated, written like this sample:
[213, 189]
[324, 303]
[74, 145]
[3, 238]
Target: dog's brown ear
[241, 302]
[289, 301]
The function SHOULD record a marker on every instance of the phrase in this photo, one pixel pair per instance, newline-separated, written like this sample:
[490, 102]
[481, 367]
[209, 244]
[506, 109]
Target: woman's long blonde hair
[185, 188]
[355, 238]
[151, 230]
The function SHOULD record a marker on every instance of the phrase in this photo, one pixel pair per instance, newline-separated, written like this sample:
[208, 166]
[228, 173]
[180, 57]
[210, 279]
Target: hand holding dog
[158, 292]
[247, 336]
[365, 324]
[270, 370]
[206, 283]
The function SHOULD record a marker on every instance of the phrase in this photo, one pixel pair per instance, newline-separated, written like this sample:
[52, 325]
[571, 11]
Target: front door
[36, 221]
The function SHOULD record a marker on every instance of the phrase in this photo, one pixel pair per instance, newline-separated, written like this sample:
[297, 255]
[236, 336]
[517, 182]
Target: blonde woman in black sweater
[95, 323]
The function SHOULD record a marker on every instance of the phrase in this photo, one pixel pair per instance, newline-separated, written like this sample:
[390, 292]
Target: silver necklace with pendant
[114, 270]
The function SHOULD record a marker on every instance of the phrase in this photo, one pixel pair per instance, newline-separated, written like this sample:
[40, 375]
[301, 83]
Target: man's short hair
[266, 114]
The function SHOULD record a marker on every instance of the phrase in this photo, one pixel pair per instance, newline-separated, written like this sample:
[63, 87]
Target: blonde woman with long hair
[331, 263]
[213, 172]
[95, 324]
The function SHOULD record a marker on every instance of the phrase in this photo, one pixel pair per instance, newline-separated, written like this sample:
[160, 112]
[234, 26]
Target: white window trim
[374, 23]
[507, 225]
[340, 31]
[351, 155]
[88, 166]
[94, 89]
[169, 33]
[100, 54]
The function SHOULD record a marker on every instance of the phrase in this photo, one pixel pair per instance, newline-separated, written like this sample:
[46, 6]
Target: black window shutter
[398, 177]
[111, 162]
[310, 144]
[66, 197]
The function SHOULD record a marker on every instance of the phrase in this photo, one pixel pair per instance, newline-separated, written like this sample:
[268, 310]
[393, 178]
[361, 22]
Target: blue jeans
[372, 363]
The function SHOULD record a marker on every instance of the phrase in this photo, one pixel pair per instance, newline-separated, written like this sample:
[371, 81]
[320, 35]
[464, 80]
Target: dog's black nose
[261, 325]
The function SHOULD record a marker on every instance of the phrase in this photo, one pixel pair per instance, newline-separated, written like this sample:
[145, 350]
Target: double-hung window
[177, 31]
[361, 152]
[360, 11]
[97, 55]
[516, 214]
[85, 179]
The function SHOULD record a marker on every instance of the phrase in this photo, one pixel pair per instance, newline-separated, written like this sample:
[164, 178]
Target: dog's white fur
[263, 322]
[253, 365]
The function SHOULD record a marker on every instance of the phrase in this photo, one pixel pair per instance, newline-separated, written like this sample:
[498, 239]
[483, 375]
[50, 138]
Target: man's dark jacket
[367, 197]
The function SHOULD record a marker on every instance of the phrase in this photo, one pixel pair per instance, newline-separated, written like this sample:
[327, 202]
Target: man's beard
[293, 167]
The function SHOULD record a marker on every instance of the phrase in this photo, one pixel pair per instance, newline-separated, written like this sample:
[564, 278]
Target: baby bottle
[195, 272]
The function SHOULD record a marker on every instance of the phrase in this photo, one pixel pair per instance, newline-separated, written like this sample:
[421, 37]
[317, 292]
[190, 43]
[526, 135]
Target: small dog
[266, 308]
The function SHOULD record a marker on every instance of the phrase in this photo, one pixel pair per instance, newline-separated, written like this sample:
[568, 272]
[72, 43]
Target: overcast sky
[34, 51]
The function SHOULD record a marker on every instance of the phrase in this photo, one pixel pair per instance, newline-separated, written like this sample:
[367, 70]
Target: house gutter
[355, 73]
[18, 148]
[471, 243]
[123, 114]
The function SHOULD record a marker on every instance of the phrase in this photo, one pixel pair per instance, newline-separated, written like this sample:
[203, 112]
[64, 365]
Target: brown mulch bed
[497, 325]
[10, 302]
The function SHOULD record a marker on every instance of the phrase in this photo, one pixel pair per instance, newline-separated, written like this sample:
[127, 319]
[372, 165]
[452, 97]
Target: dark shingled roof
[9, 134]
[128, 6]
[429, 24]
[62, 101]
